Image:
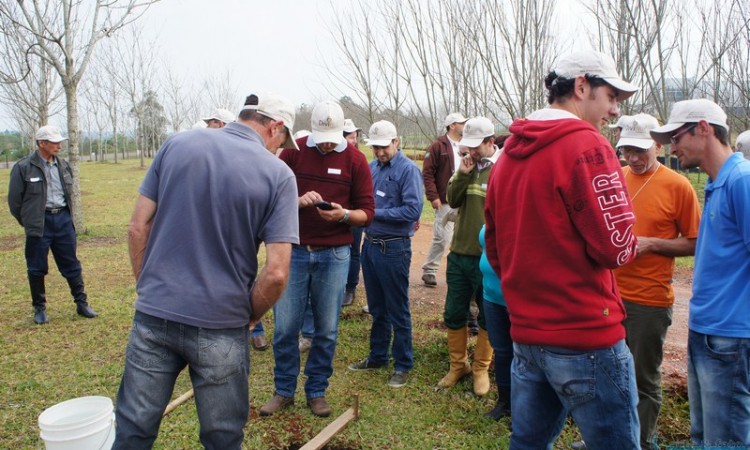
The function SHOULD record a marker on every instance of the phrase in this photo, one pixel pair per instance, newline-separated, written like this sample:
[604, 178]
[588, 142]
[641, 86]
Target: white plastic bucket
[85, 423]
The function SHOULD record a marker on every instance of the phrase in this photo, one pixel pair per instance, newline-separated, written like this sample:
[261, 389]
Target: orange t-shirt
[667, 207]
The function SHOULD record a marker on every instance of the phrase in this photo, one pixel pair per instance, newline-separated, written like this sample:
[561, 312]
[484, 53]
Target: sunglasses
[676, 137]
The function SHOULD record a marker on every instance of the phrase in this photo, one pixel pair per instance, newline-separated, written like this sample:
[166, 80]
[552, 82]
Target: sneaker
[304, 344]
[365, 364]
[348, 298]
[579, 445]
[429, 279]
[398, 379]
[319, 406]
[276, 403]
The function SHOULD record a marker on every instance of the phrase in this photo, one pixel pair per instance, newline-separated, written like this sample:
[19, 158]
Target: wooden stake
[334, 427]
[178, 401]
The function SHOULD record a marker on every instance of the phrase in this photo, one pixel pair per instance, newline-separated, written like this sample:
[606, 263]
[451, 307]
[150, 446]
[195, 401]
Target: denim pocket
[222, 354]
[341, 253]
[572, 373]
[722, 348]
[147, 343]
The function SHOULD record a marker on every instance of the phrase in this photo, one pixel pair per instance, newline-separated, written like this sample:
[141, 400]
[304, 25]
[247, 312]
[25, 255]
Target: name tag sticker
[334, 171]
[484, 186]
[380, 193]
[35, 179]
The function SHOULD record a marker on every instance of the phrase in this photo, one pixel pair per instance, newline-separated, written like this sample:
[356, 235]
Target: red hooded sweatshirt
[559, 218]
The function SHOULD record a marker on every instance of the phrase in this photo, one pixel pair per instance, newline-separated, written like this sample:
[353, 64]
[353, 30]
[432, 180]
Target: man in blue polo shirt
[719, 339]
[386, 253]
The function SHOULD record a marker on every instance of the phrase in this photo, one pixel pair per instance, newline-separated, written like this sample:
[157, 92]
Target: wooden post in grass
[177, 402]
[334, 427]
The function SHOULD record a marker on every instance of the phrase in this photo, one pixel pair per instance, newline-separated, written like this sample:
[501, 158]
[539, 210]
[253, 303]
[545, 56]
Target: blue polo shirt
[721, 281]
[397, 188]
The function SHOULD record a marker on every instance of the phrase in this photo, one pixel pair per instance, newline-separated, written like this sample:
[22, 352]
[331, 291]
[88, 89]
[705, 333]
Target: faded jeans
[596, 387]
[441, 239]
[158, 350]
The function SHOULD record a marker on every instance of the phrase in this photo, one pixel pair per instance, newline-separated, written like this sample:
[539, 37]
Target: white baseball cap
[635, 131]
[327, 123]
[690, 111]
[382, 133]
[619, 122]
[742, 144]
[476, 130]
[279, 108]
[49, 133]
[221, 115]
[301, 134]
[452, 118]
[595, 64]
[349, 126]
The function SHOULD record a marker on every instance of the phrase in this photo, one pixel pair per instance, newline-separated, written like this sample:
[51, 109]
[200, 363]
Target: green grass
[72, 357]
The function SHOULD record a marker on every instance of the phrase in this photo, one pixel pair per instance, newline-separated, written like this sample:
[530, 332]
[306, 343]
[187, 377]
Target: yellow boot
[483, 354]
[457, 342]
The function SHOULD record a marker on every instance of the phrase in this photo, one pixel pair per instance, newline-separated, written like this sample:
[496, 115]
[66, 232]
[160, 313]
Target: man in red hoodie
[558, 220]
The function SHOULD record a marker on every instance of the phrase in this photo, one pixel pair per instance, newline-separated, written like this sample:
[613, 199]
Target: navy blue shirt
[397, 188]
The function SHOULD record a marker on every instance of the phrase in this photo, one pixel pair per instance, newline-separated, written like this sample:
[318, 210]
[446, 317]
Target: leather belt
[314, 248]
[55, 210]
[384, 240]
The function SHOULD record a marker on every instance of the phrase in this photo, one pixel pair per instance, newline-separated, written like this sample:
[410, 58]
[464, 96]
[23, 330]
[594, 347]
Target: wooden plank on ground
[333, 428]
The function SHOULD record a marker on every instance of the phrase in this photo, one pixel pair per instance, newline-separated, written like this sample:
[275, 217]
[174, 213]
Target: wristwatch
[345, 219]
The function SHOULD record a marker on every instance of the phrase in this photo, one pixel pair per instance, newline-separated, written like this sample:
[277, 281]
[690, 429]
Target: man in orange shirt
[667, 216]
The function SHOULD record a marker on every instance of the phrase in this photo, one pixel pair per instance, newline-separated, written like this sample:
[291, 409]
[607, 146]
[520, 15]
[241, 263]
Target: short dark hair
[561, 88]
[721, 133]
[252, 100]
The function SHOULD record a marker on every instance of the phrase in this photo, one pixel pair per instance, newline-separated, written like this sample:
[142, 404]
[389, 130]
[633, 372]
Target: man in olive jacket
[39, 199]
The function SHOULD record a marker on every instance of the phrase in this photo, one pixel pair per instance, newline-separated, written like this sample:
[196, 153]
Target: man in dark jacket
[440, 161]
[39, 199]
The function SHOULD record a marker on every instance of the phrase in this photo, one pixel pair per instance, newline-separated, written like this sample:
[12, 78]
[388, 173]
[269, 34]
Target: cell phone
[325, 206]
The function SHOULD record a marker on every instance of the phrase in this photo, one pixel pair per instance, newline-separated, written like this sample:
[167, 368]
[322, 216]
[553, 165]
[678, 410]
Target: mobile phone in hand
[325, 206]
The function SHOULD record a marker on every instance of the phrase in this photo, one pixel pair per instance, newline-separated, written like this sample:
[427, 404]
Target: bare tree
[178, 99]
[65, 33]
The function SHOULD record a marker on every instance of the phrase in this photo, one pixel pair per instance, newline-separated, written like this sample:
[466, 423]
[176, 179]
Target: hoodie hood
[528, 136]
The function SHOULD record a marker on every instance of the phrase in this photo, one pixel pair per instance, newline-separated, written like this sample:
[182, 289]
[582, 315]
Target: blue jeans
[597, 388]
[498, 330]
[719, 389]
[59, 235]
[259, 330]
[158, 350]
[352, 280]
[385, 268]
[320, 277]
[308, 327]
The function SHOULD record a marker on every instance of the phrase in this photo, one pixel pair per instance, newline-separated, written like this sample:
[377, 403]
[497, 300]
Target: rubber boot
[80, 298]
[38, 299]
[502, 407]
[482, 358]
[459, 368]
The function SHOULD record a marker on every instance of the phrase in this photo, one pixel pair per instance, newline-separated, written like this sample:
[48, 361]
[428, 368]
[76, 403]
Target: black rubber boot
[502, 407]
[79, 296]
[38, 299]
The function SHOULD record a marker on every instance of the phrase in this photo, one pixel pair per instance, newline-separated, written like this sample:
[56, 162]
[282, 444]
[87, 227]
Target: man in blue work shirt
[386, 253]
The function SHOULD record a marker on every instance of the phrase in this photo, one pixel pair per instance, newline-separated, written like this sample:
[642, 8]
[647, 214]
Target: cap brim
[333, 137]
[471, 142]
[379, 142]
[643, 144]
[663, 134]
[614, 125]
[351, 130]
[625, 90]
[290, 141]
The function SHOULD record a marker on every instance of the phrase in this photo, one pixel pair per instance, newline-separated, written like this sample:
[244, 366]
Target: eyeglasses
[675, 139]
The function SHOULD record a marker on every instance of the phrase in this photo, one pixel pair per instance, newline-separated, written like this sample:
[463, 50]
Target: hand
[436, 204]
[467, 164]
[646, 245]
[309, 199]
[333, 215]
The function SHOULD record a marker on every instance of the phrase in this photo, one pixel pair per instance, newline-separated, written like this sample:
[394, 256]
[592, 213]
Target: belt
[314, 248]
[55, 210]
[383, 240]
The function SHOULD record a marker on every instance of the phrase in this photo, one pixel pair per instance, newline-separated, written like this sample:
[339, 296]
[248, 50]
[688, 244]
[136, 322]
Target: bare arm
[680, 246]
[271, 280]
[139, 230]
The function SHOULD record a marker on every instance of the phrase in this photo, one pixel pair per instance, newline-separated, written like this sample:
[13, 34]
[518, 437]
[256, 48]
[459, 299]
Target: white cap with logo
[620, 121]
[452, 118]
[742, 144]
[279, 108]
[349, 126]
[382, 133]
[635, 131]
[327, 123]
[476, 130]
[49, 133]
[595, 64]
[690, 111]
[221, 115]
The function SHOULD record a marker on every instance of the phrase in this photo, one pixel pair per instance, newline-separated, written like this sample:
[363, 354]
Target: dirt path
[431, 301]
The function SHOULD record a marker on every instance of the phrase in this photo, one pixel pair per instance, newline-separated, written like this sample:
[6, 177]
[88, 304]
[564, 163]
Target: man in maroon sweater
[335, 188]
[559, 219]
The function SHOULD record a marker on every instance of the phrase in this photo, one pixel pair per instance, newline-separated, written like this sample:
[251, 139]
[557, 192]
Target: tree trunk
[71, 101]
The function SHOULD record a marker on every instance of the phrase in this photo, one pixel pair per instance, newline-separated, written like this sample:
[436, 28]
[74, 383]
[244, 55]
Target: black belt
[314, 248]
[383, 240]
[55, 210]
